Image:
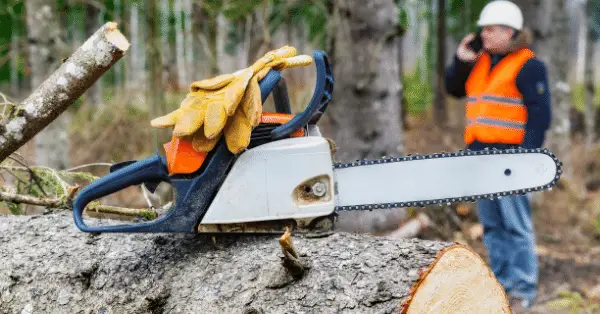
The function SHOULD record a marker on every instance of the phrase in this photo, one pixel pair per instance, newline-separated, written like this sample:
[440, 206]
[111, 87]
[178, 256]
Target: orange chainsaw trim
[182, 158]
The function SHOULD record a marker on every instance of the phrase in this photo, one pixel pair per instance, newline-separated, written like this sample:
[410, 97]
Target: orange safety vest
[495, 109]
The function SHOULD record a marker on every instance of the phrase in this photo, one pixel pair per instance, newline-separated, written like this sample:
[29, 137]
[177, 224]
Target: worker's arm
[456, 77]
[532, 82]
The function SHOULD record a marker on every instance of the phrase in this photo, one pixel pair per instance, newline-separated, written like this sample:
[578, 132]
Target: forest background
[176, 42]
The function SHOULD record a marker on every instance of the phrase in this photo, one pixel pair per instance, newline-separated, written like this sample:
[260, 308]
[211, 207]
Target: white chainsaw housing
[273, 181]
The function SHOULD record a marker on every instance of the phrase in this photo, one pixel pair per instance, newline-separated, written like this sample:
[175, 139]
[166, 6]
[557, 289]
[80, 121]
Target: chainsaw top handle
[195, 191]
[318, 103]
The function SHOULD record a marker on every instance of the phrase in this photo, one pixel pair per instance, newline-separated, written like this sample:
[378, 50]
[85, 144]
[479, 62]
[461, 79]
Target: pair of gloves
[228, 104]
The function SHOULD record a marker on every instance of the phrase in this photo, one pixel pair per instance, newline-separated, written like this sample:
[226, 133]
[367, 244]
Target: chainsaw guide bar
[448, 201]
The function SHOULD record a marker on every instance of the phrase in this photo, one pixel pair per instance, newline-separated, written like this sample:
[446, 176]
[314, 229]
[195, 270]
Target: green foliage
[238, 9]
[403, 19]
[48, 184]
[417, 92]
[457, 16]
[12, 15]
[597, 225]
[578, 96]
[574, 302]
[14, 208]
[311, 15]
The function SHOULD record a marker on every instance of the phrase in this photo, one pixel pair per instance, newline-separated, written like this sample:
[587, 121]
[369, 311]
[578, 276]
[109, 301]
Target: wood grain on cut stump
[459, 281]
[49, 266]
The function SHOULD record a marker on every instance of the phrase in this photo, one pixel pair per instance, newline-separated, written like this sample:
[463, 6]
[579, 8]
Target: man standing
[508, 106]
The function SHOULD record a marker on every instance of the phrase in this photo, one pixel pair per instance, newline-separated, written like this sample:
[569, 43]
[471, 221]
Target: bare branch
[28, 199]
[96, 56]
[90, 165]
[134, 212]
[62, 203]
[32, 174]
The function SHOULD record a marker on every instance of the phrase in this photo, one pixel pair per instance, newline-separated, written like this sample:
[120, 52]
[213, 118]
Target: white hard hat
[501, 12]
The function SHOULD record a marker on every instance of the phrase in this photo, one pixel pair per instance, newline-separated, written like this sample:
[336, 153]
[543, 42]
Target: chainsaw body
[284, 164]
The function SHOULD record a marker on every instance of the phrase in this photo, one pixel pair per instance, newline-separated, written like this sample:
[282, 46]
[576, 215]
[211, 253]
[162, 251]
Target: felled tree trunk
[105, 47]
[49, 266]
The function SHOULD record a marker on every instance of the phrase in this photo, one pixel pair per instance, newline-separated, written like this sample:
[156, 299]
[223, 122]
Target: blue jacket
[532, 82]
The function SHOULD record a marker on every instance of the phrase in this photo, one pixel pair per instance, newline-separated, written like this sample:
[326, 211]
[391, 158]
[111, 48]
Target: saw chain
[448, 201]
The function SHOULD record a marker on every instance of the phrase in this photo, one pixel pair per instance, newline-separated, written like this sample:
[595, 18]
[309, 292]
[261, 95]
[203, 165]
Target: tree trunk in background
[165, 12]
[44, 31]
[179, 45]
[155, 92]
[118, 13]
[549, 22]
[225, 64]
[15, 52]
[211, 36]
[189, 43]
[364, 56]
[364, 115]
[94, 19]
[582, 40]
[559, 137]
[440, 113]
[201, 58]
[590, 121]
[134, 53]
[538, 17]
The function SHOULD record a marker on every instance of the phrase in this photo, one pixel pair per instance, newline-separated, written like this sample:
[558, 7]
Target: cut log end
[115, 37]
[458, 281]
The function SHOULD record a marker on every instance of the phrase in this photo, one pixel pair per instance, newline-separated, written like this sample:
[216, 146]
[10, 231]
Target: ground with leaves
[566, 221]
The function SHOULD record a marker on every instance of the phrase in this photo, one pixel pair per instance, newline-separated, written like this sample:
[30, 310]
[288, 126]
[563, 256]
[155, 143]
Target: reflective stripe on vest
[495, 109]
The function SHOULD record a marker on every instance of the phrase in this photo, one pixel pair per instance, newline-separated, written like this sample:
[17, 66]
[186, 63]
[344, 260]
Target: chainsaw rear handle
[194, 192]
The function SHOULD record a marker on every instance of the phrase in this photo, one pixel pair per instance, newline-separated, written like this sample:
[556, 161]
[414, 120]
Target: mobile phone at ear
[477, 43]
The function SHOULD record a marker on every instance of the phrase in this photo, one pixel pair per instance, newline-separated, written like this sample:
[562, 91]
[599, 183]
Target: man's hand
[464, 53]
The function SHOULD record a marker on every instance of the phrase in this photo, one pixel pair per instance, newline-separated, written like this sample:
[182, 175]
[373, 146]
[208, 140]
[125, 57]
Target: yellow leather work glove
[215, 104]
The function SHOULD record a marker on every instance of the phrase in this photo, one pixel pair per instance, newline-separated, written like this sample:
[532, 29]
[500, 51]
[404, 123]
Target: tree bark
[44, 33]
[365, 115]
[440, 112]
[105, 47]
[51, 267]
[366, 105]
[189, 43]
[155, 96]
[119, 68]
[93, 22]
[179, 45]
[590, 91]
[559, 135]
[15, 52]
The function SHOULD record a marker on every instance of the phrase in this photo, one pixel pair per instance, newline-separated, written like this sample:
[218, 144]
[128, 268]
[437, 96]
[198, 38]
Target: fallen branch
[134, 212]
[103, 49]
[412, 227]
[32, 200]
[65, 203]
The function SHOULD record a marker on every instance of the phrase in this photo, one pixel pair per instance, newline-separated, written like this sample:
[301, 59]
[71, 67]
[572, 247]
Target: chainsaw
[288, 177]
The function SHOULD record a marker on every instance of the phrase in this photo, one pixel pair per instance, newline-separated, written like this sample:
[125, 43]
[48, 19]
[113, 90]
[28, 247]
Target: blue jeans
[510, 240]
